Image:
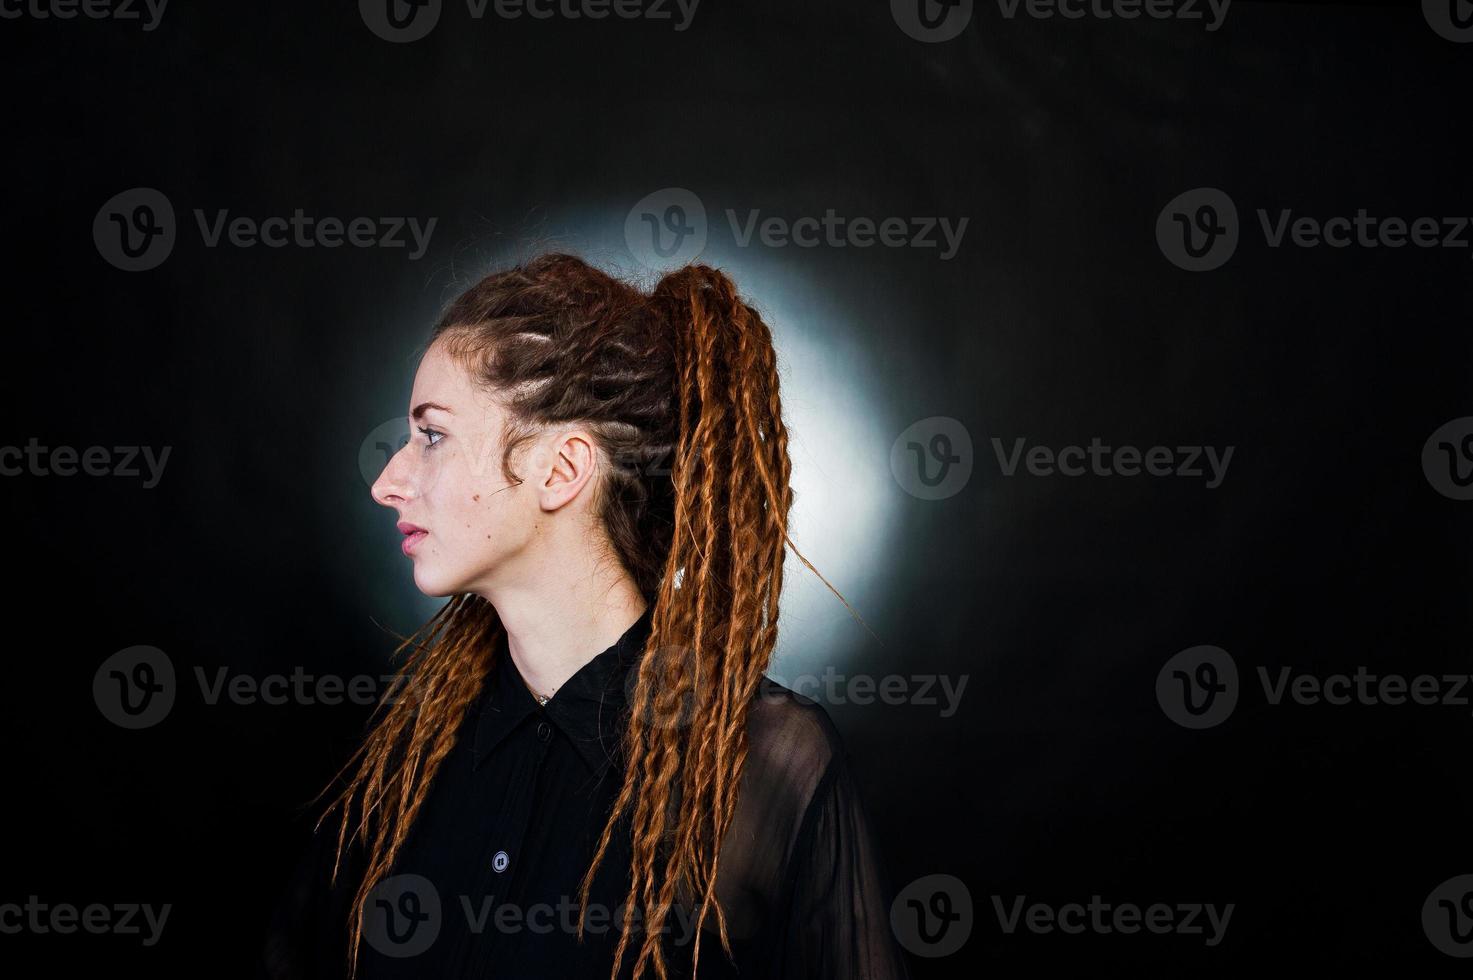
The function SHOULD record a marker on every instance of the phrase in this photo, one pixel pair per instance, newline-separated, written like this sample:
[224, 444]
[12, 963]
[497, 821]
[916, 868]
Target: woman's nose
[393, 486]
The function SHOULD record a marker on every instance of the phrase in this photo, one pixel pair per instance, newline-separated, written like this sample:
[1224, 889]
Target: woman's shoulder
[783, 710]
[792, 738]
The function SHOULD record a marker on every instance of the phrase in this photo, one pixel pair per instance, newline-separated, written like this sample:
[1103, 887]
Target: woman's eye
[431, 436]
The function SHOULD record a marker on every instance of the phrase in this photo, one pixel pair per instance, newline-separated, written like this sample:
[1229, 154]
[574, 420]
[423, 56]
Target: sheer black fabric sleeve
[306, 937]
[840, 914]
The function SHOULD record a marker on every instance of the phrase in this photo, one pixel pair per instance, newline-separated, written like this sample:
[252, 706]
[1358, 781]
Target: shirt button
[500, 861]
[544, 731]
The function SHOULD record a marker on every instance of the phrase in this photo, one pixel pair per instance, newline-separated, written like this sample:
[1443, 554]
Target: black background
[1060, 777]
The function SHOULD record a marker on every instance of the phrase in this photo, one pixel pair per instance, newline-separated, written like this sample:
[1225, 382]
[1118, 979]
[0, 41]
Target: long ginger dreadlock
[680, 388]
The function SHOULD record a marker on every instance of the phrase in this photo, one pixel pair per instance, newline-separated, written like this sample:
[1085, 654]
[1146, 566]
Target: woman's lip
[412, 540]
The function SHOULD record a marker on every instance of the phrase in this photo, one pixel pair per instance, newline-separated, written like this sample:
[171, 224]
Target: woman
[587, 773]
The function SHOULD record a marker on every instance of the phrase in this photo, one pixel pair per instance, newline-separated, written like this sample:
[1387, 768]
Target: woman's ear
[571, 459]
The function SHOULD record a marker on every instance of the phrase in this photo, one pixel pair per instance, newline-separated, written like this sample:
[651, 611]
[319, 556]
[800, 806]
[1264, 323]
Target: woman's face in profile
[444, 482]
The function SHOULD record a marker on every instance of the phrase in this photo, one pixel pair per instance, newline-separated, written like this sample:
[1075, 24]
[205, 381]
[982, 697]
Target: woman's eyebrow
[423, 407]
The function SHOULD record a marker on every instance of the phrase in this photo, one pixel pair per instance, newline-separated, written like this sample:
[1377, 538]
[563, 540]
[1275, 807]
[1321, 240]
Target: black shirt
[487, 882]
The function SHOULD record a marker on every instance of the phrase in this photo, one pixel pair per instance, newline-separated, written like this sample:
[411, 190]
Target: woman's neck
[565, 616]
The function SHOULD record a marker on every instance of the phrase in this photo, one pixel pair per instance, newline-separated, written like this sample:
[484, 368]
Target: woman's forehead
[442, 380]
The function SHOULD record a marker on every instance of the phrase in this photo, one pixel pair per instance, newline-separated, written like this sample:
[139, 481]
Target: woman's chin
[432, 584]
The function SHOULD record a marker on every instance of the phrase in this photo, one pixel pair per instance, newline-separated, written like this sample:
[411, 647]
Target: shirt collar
[588, 708]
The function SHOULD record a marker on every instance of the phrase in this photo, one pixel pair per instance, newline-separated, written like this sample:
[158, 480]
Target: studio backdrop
[1124, 349]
